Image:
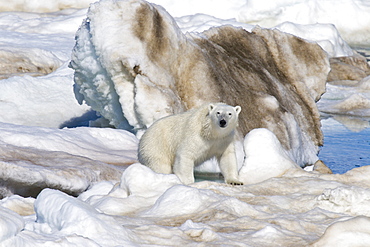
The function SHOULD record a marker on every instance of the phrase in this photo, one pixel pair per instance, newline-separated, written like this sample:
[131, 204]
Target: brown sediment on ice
[275, 77]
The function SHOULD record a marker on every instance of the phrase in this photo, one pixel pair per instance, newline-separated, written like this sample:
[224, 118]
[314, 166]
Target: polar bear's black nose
[222, 123]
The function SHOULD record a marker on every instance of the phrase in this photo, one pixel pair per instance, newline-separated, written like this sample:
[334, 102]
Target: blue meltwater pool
[346, 143]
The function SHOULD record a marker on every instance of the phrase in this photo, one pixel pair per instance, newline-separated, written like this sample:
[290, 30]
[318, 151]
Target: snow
[21, 97]
[350, 17]
[37, 44]
[340, 233]
[68, 215]
[326, 35]
[71, 160]
[257, 165]
[88, 189]
[10, 223]
[295, 208]
[348, 99]
[95, 143]
[42, 6]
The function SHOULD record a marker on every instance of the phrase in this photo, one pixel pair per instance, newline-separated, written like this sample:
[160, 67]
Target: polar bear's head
[224, 117]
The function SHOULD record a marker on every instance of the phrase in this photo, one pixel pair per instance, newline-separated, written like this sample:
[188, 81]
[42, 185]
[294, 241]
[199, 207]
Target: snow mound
[22, 97]
[141, 180]
[344, 199]
[351, 232]
[257, 165]
[10, 224]
[68, 215]
[34, 45]
[27, 171]
[139, 187]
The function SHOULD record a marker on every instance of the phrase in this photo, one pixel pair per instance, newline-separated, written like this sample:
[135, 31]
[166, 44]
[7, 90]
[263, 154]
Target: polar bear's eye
[218, 113]
[230, 114]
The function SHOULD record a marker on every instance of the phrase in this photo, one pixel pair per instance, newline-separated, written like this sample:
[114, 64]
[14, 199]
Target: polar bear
[178, 143]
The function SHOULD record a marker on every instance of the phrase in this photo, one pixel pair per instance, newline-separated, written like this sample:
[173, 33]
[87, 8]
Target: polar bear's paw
[234, 182]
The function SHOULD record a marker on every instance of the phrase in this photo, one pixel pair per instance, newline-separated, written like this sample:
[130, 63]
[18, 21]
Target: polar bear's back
[158, 145]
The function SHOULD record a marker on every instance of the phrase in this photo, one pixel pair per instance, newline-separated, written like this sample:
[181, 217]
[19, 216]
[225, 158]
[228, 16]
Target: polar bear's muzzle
[223, 123]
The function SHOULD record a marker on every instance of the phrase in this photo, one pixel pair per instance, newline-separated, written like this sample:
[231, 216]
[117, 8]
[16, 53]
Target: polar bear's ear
[237, 109]
[210, 107]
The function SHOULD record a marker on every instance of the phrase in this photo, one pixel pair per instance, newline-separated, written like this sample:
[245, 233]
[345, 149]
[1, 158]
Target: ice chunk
[141, 180]
[71, 160]
[201, 22]
[106, 145]
[352, 200]
[10, 223]
[46, 101]
[149, 69]
[350, 100]
[139, 188]
[20, 205]
[68, 215]
[352, 232]
[265, 157]
[198, 231]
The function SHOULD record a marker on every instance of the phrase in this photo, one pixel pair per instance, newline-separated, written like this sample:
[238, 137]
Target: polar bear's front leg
[229, 166]
[184, 168]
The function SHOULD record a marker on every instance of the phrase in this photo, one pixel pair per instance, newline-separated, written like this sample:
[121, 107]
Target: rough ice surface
[42, 6]
[10, 224]
[294, 209]
[351, 98]
[324, 34]
[35, 43]
[341, 233]
[112, 204]
[32, 45]
[19, 94]
[71, 160]
[350, 17]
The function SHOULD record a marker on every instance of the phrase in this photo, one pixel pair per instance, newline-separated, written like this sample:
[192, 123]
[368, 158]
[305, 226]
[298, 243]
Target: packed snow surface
[114, 204]
[146, 208]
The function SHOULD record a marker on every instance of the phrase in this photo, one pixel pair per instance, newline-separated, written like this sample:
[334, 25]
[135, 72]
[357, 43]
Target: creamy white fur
[177, 143]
